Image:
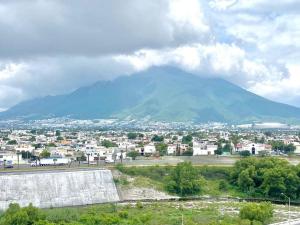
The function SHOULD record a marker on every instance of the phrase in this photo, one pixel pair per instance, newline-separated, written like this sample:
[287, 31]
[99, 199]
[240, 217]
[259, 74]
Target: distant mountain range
[160, 94]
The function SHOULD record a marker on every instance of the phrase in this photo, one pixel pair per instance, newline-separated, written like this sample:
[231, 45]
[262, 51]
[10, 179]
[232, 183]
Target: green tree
[15, 215]
[59, 138]
[187, 139]
[132, 135]
[12, 142]
[245, 181]
[161, 148]
[108, 144]
[184, 180]
[133, 154]
[261, 212]
[57, 133]
[219, 151]
[45, 154]
[157, 138]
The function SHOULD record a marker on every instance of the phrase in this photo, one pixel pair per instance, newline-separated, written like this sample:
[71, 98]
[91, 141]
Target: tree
[227, 148]
[187, 139]
[57, 133]
[245, 181]
[108, 144]
[51, 145]
[45, 154]
[268, 133]
[289, 148]
[132, 135]
[188, 152]
[15, 215]
[133, 154]
[184, 180]
[12, 142]
[59, 138]
[157, 138]
[261, 212]
[161, 148]
[219, 151]
[235, 140]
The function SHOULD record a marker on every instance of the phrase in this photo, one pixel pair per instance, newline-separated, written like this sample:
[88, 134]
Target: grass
[216, 179]
[152, 214]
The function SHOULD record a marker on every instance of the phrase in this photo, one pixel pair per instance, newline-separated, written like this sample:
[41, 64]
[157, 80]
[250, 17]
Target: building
[204, 148]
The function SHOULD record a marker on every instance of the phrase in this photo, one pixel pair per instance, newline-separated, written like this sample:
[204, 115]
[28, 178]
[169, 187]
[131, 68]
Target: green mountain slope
[165, 94]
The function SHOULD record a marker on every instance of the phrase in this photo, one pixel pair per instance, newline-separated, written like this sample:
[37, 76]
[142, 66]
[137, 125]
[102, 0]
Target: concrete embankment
[57, 188]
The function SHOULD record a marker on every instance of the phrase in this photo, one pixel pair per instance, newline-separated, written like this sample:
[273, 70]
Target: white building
[297, 145]
[203, 148]
[171, 149]
[255, 149]
[149, 149]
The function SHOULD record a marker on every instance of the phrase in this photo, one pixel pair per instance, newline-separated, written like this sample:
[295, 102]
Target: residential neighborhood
[96, 146]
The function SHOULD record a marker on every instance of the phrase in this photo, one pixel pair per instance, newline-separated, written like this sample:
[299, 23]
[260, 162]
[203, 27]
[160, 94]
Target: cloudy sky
[55, 46]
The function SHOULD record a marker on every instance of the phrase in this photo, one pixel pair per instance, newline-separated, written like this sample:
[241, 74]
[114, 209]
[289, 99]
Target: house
[297, 145]
[256, 149]
[149, 149]
[204, 148]
[171, 150]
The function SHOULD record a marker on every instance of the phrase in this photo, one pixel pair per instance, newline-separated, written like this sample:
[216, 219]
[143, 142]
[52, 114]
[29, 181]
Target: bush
[223, 185]
[184, 180]
[261, 212]
[267, 177]
[244, 153]
[133, 154]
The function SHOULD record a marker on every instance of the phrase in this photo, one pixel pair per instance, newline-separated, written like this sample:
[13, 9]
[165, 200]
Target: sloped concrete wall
[57, 189]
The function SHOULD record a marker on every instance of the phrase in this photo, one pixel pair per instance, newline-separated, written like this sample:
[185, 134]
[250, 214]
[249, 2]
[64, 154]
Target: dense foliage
[267, 177]
[45, 154]
[157, 138]
[114, 214]
[161, 148]
[280, 146]
[108, 144]
[184, 180]
[262, 212]
[133, 154]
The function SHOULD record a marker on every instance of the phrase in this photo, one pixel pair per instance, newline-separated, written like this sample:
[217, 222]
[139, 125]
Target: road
[167, 160]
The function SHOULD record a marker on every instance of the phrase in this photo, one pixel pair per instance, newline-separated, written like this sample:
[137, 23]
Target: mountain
[162, 94]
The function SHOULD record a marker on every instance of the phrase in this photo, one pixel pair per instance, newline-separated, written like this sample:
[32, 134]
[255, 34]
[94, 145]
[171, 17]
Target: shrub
[261, 212]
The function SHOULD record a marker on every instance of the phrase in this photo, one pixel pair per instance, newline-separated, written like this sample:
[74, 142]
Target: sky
[54, 47]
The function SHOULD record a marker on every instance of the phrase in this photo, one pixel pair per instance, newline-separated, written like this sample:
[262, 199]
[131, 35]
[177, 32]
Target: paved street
[167, 160]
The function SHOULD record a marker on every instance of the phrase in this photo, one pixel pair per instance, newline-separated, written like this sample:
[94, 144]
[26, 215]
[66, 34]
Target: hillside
[164, 94]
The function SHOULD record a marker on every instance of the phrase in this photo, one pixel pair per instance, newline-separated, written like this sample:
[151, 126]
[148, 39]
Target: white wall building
[149, 149]
[171, 149]
[202, 148]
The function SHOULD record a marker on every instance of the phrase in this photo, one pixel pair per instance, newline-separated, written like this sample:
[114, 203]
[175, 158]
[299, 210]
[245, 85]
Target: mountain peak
[163, 94]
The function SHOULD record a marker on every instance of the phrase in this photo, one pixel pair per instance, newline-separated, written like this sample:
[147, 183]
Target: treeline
[266, 177]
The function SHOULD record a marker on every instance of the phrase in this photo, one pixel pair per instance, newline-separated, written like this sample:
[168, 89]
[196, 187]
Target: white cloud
[54, 47]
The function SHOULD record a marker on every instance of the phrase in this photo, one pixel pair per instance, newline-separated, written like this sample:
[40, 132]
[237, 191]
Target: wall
[57, 189]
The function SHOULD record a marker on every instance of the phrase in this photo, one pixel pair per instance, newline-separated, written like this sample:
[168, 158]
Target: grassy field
[149, 213]
[215, 184]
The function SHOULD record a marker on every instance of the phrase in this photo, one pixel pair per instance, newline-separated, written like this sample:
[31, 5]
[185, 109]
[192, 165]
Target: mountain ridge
[162, 94]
